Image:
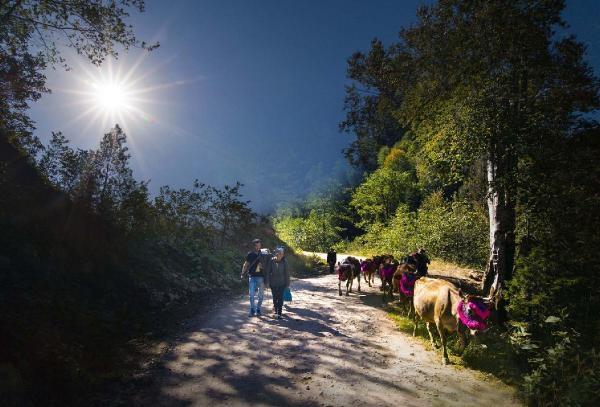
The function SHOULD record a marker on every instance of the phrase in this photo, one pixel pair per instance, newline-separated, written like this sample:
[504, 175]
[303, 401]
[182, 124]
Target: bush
[560, 371]
[455, 232]
[316, 232]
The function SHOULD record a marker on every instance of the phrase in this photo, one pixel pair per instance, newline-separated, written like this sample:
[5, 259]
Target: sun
[112, 97]
[123, 92]
[102, 97]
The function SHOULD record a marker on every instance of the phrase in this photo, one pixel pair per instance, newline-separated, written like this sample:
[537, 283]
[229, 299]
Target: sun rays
[107, 95]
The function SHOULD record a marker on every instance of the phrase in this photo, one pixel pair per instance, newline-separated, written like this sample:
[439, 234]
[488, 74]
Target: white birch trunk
[501, 219]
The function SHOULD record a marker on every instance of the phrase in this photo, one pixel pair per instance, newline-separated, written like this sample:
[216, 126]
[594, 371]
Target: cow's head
[475, 313]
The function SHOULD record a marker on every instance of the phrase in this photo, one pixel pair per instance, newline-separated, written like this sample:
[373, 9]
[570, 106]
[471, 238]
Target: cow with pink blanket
[368, 267]
[347, 271]
[404, 284]
[386, 272]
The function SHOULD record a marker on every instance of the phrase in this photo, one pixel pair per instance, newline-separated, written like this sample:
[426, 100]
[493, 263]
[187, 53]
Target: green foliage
[369, 104]
[376, 199]
[62, 165]
[316, 232]
[88, 261]
[493, 86]
[561, 370]
[319, 223]
[453, 231]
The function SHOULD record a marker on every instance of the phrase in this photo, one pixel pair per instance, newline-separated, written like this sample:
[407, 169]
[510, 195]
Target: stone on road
[326, 351]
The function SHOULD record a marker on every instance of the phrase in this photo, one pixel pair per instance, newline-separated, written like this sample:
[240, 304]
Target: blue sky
[248, 91]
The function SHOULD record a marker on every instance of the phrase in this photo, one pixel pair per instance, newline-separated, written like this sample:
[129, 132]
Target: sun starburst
[112, 94]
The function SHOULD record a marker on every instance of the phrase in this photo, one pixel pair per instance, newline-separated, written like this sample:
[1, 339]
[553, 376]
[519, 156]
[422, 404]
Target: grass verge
[491, 354]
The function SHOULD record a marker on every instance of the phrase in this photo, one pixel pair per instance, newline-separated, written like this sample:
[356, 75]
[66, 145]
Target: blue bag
[287, 295]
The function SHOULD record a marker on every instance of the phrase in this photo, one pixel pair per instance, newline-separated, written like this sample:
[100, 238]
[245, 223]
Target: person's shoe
[258, 313]
[251, 313]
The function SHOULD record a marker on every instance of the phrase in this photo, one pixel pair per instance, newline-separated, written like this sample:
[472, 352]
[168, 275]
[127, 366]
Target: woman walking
[279, 280]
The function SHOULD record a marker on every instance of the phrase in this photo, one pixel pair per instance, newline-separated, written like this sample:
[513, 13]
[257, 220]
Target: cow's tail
[449, 302]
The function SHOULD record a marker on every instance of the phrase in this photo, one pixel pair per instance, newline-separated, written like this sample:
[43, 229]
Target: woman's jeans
[256, 283]
[278, 298]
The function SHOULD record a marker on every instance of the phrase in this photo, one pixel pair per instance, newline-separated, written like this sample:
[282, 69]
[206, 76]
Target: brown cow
[437, 301]
[345, 272]
[386, 273]
[405, 295]
[368, 267]
[380, 261]
[356, 264]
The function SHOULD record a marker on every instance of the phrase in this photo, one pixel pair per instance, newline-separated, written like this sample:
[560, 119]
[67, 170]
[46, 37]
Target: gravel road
[326, 351]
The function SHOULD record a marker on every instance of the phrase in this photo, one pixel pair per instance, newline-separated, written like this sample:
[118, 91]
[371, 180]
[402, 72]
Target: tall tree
[230, 213]
[369, 104]
[509, 88]
[492, 82]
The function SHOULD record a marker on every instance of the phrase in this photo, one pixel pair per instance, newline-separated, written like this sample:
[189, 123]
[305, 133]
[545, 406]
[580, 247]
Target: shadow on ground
[308, 358]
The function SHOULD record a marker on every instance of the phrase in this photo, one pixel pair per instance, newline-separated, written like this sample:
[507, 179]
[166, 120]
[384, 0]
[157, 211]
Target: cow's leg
[411, 307]
[348, 286]
[416, 322]
[428, 325]
[461, 331]
[351, 281]
[340, 286]
[440, 329]
[358, 279]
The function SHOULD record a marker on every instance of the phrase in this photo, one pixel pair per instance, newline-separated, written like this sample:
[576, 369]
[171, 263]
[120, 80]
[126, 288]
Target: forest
[92, 266]
[477, 134]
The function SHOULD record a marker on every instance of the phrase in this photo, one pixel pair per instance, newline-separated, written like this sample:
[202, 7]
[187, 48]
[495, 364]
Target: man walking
[331, 260]
[422, 262]
[254, 267]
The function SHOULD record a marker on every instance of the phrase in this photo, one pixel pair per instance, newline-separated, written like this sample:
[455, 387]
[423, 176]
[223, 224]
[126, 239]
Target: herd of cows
[431, 300]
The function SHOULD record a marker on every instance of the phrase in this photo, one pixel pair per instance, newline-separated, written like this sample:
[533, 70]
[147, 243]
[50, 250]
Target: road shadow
[231, 359]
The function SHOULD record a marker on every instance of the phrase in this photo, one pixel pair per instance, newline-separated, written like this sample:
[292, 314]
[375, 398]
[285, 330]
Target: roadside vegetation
[90, 261]
[93, 267]
[476, 135]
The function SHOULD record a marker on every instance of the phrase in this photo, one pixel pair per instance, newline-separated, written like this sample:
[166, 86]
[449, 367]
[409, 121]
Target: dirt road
[327, 351]
[340, 256]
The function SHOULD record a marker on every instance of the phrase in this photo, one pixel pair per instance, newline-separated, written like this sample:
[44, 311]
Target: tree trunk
[501, 209]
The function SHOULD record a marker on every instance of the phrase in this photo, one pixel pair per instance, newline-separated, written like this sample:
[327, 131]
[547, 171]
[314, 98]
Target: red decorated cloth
[344, 271]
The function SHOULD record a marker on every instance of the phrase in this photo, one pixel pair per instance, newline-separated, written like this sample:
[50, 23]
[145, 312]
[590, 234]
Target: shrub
[455, 232]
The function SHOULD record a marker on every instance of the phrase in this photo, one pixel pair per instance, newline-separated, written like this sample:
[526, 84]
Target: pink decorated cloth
[473, 314]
